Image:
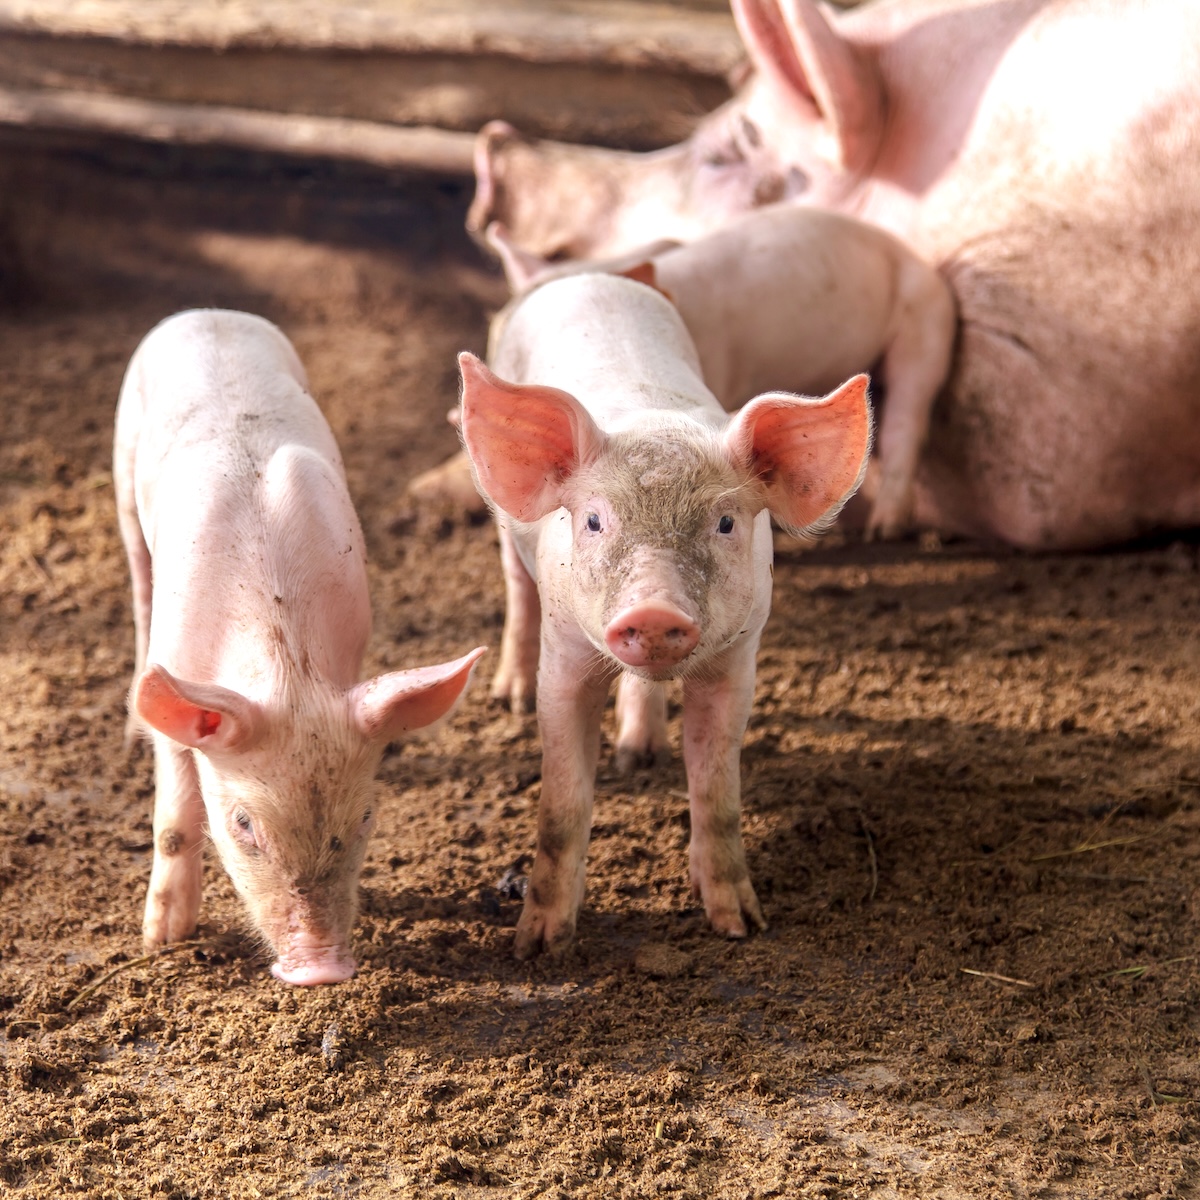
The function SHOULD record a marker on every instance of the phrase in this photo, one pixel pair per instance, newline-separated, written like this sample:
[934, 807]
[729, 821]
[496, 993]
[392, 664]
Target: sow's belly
[1071, 415]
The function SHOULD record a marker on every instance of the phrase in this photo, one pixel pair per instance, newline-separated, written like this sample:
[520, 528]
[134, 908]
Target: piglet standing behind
[786, 297]
[252, 616]
[635, 535]
[801, 298]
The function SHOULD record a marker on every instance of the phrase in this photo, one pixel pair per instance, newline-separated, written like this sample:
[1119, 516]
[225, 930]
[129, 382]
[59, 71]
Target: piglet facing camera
[636, 541]
[252, 616]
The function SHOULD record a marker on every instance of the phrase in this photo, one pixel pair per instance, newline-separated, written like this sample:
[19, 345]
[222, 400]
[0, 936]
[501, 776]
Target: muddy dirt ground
[971, 780]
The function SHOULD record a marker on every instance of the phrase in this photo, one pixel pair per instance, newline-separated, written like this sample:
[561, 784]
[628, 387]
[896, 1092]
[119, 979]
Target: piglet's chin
[331, 967]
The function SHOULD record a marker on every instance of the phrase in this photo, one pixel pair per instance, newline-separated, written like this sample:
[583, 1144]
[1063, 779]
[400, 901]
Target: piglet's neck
[618, 346]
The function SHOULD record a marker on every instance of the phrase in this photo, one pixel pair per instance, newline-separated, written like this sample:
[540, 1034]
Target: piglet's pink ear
[204, 716]
[392, 704]
[524, 440]
[809, 453]
[645, 272]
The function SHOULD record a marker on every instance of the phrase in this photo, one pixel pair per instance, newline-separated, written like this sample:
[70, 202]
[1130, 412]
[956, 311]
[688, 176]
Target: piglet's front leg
[715, 711]
[570, 702]
[173, 898]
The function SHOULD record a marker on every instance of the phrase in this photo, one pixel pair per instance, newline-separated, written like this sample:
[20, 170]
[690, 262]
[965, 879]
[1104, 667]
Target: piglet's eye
[750, 132]
[725, 525]
[244, 831]
[593, 522]
[727, 154]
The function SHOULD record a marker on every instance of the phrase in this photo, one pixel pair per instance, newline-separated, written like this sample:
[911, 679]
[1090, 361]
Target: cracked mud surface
[971, 790]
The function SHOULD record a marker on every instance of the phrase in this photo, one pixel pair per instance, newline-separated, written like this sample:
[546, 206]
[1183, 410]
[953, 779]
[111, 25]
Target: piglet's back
[241, 496]
[221, 388]
[618, 346]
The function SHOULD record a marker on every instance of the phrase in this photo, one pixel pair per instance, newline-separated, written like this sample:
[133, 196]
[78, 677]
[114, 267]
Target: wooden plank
[308, 76]
[423, 149]
[611, 105]
[696, 37]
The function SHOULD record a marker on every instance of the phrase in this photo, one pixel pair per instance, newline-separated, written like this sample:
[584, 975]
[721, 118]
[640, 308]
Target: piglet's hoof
[639, 757]
[540, 932]
[515, 690]
[730, 906]
[449, 486]
[165, 924]
[891, 512]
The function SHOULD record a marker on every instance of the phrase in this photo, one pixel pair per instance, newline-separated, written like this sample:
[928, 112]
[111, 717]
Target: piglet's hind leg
[516, 676]
[914, 368]
[642, 738]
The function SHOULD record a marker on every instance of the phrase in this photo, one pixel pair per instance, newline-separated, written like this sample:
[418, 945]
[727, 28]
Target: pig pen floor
[972, 815]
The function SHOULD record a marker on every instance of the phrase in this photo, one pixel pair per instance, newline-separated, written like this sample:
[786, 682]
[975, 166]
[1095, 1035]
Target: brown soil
[971, 812]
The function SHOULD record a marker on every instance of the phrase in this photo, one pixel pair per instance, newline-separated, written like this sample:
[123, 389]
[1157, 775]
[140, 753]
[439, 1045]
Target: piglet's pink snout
[332, 966]
[652, 634]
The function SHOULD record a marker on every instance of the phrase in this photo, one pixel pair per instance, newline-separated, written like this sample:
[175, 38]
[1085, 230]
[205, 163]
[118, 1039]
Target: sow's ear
[396, 703]
[824, 80]
[203, 716]
[524, 440]
[810, 454]
[521, 269]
